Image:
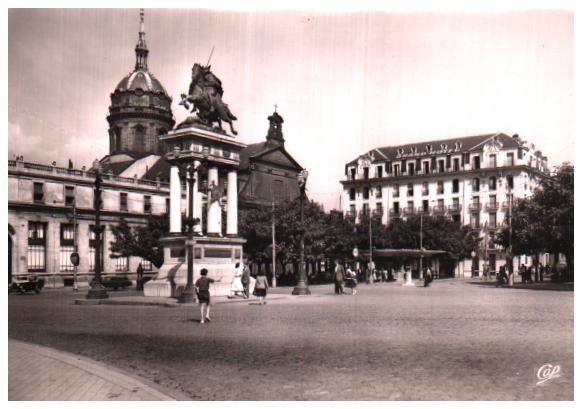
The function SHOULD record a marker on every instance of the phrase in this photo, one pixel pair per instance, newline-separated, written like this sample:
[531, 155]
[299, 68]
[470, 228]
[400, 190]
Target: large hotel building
[469, 179]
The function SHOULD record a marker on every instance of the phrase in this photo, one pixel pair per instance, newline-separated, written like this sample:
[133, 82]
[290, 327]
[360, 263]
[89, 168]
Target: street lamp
[187, 296]
[301, 288]
[97, 291]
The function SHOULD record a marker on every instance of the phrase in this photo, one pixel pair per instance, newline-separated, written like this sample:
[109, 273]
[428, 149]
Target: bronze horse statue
[205, 95]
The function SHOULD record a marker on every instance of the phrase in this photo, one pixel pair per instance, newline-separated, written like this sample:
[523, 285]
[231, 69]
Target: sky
[345, 81]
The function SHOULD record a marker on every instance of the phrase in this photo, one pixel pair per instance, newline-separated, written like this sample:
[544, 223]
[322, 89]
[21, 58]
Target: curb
[106, 372]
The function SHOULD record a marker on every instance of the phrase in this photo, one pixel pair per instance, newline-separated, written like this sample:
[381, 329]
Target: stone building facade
[268, 173]
[45, 203]
[469, 179]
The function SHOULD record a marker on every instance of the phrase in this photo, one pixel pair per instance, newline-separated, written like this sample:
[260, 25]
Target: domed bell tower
[140, 110]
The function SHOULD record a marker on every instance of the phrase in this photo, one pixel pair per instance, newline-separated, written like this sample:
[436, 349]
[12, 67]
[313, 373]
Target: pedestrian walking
[139, 283]
[261, 286]
[501, 277]
[236, 287]
[427, 277]
[339, 275]
[351, 281]
[202, 286]
[246, 280]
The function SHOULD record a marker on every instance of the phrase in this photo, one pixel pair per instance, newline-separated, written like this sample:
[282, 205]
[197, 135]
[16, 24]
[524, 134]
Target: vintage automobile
[30, 284]
[115, 282]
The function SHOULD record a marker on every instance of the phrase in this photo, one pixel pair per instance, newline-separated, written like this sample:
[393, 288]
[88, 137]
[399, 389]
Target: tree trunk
[570, 264]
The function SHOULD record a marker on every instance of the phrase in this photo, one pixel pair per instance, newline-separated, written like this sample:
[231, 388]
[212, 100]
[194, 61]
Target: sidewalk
[37, 373]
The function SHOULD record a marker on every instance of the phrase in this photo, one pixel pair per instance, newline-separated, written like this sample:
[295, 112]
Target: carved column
[214, 214]
[175, 201]
[197, 200]
[232, 205]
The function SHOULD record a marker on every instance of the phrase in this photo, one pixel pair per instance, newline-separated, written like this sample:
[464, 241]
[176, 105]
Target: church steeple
[275, 134]
[141, 48]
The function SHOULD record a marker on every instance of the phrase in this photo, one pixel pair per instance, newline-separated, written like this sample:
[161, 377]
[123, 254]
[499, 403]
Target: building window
[352, 210]
[492, 220]
[456, 203]
[366, 173]
[396, 190]
[441, 167]
[378, 192]
[440, 187]
[410, 207]
[475, 220]
[476, 184]
[492, 183]
[410, 190]
[365, 209]
[509, 161]
[379, 211]
[122, 264]
[492, 200]
[36, 247]
[146, 264]
[366, 193]
[69, 195]
[379, 171]
[455, 185]
[352, 194]
[353, 173]
[425, 206]
[67, 247]
[167, 205]
[510, 181]
[123, 202]
[492, 161]
[396, 169]
[440, 205]
[389, 167]
[38, 192]
[456, 165]
[93, 246]
[425, 167]
[476, 162]
[396, 207]
[424, 188]
[147, 204]
[457, 218]
[411, 168]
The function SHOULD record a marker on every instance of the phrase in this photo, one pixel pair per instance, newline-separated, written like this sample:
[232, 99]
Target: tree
[141, 241]
[544, 222]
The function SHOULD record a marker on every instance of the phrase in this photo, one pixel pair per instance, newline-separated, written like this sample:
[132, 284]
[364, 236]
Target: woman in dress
[261, 286]
[236, 288]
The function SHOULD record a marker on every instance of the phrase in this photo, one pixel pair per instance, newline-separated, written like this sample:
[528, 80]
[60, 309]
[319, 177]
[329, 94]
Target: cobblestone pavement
[453, 341]
[43, 374]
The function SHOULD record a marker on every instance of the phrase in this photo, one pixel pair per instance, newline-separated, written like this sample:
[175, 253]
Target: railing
[491, 206]
[394, 213]
[439, 209]
[422, 210]
[408, 211]
[473, 207]
[505, 205]
[454, 208]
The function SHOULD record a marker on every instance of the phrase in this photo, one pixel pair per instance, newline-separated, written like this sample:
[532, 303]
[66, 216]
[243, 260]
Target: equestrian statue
[205, 98]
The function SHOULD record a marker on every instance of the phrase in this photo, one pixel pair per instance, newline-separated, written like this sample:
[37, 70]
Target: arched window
[139, 138]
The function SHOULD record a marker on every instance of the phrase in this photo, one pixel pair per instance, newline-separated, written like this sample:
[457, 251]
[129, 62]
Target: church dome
[141, 79]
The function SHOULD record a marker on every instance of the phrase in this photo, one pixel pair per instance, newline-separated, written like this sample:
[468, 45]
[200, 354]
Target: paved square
[456, 340]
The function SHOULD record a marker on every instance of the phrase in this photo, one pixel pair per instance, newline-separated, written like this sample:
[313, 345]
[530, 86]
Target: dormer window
[458, 145]
[428, 148]
[443, 146]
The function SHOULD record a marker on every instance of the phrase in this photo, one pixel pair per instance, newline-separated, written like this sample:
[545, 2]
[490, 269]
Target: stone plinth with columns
[214, 158]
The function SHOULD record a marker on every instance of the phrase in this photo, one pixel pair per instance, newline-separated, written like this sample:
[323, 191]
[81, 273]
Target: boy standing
[202, 291]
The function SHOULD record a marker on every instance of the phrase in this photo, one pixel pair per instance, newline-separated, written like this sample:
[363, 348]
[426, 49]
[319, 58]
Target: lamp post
[187, 296]
[97, 291]
[301, 288]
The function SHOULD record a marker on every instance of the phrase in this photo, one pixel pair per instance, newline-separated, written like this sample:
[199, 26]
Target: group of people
[526, 273]
[240, 286]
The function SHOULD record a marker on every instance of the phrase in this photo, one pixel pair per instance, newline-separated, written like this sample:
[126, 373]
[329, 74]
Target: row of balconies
[436, 171]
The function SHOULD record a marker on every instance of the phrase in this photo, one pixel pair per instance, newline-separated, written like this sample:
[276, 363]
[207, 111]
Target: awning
[400, 253]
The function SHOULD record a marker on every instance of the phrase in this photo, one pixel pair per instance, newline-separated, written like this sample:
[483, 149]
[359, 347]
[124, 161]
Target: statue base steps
[218, 255]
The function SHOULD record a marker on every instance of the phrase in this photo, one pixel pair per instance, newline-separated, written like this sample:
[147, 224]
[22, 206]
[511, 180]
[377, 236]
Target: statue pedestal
[217, 254]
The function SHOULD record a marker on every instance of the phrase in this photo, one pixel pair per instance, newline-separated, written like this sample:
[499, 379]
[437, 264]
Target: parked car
[115, 282]
[30, 284]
